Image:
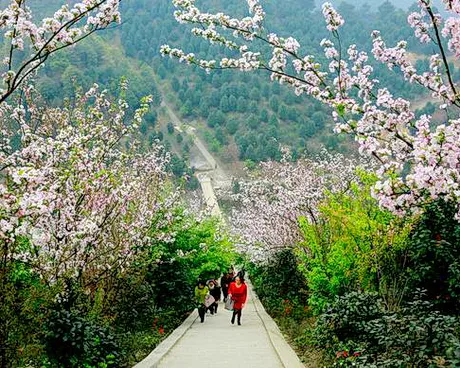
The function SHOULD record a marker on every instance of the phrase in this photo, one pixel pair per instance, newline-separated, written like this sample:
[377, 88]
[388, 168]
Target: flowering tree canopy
[269, 204]
[77, 196]
[73, 199]
[30, 44]
[420, 161]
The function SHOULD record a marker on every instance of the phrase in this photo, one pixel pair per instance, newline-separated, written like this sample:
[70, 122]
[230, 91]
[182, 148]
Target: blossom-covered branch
[68, 25]
[270, 202]
[384, 125]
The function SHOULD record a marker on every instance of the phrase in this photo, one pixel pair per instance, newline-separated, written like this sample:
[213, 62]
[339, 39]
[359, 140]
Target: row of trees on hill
[249, 106]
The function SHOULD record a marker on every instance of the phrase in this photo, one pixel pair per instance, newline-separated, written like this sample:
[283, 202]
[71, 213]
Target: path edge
[154, 358]
[286, 354]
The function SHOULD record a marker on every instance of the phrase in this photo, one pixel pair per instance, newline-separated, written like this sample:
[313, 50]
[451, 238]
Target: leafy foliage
[435, 253]
[73, 341]
[358, 330]
[353, 245]
[280, 285]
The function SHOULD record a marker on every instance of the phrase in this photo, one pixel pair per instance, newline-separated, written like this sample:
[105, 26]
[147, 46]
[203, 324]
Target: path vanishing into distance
[257, 343]
[212, 175]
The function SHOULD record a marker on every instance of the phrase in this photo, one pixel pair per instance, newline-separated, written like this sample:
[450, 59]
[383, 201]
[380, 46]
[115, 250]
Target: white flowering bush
[269, 204]
[83, 203]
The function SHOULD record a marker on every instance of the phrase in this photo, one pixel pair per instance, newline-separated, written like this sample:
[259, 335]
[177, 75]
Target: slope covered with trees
[232, 111]
[247, 110]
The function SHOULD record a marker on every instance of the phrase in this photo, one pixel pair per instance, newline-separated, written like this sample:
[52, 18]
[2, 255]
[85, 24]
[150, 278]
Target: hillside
[247, 111]
[374, 4]
[239, 116]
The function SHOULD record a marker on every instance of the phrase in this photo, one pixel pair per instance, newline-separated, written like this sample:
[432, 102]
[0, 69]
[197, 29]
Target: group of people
[232, 287]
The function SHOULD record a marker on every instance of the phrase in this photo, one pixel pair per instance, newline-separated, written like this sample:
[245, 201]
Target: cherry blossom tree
[271, 200]
[419, 160]
[74, 201]
[31, 44]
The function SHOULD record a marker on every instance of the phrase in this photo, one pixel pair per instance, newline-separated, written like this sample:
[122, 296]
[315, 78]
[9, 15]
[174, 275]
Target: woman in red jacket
[238, 292]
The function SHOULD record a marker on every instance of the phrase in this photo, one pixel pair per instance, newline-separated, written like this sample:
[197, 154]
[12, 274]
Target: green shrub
[24, 303]
[353, 245]
[434, 256]
[453, 353]
[74, 341]
[357, 329]
[132, 302]
[346, 319]
[280, 285]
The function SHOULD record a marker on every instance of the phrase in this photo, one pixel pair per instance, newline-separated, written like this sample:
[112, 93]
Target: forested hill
[374, 4]
[241, 116]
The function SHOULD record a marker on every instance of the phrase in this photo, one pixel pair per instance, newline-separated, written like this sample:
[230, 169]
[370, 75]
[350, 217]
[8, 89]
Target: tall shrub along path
[217, 342]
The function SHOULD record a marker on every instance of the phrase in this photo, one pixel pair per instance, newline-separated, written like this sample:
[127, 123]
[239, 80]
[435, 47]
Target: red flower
[161, 330]
[341, 354]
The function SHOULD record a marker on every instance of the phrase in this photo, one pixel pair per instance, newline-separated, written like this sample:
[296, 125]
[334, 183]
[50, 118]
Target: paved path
[213, 165]
[213, 175]
[216, 342]
[209, 195]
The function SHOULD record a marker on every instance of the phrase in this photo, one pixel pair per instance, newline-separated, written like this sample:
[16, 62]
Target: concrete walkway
[216, 342]
[209, 195]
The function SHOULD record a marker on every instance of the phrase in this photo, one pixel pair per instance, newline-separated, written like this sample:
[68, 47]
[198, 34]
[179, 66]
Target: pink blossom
[270, 202]
[82, 201]
[66, 27]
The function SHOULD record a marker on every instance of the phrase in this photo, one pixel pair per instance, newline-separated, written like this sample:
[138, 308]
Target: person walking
[225, 282]
[241, 273]
[214, 290]
[201, 290]
[238, 292]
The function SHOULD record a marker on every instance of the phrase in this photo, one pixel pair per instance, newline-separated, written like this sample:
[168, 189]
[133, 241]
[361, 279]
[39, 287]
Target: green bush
[353, 245]
[74, 341]
[357, 329]
[280, 285]
[346, 319]
[24, 304]
[133, 302]
[434, 256]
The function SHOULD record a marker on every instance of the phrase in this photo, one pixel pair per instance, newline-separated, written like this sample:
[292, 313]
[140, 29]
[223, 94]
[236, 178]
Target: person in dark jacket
[225, 282]
[241, 273]
[214, 291]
